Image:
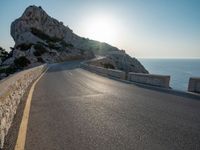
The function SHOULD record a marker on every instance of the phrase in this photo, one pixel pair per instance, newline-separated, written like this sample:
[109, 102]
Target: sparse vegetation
[82, 51]
[44, 36]
[3, 54]
[52, 53]
[53, 46]
[24, 46]
[8, 70]
[69, 45]
[108, 66]
[132, 65]
[51, 40]
[39, 59]
[39, 49]
[21, 62]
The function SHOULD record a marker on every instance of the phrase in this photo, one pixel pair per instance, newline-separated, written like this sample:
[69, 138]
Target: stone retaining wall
[194, 85]
[12, 90]
[150, 79]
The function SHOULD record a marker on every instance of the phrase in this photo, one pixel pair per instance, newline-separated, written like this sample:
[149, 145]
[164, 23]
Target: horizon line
[168, 57]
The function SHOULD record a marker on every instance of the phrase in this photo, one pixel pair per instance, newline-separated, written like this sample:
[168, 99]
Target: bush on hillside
[53, 46]
[3, 54]
[8, 70]
[24, 47]
[65, 44]
[44, 36]
[108, 66]
[21, 62]
[39, 59]
[39, 50]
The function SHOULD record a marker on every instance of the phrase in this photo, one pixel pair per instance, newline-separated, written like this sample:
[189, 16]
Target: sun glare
[102, 29]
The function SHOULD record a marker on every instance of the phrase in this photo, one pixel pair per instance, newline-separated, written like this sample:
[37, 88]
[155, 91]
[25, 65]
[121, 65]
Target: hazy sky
[144, 28]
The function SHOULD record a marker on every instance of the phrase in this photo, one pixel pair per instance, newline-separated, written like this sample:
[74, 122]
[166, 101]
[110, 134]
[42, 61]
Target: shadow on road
[69, 65]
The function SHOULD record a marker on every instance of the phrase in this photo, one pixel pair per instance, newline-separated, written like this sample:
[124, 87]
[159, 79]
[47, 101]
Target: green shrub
[3, 54]
[39, 59]
[53, 46]
[21, 62]
[52, 53]
[36, 53]
[8, 70]
[108, 66]
[39, 50]
[39, 34]
[10, 54]
[65, 44]
[24, 47]
[82, 51]
[40, 47]
[54, 39]
[44, 36]
[41, 43]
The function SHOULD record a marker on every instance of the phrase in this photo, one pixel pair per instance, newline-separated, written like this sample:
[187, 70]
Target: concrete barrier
[95, 69]
[116, 73]
[194, 85]
[108, 72]
[12, 90]
[150, 79]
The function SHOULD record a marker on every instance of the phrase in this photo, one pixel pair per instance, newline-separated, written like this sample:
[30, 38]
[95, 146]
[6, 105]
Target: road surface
[73, 109]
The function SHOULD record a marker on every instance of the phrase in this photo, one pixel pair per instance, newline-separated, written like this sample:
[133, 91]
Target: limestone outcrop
[39, 38]
[121, 61]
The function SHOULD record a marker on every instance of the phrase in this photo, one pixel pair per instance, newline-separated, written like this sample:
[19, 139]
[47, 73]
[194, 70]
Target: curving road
[73, 109]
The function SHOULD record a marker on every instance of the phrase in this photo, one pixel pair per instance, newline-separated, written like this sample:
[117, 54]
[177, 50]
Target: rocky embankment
[121, 61]
[39, 39]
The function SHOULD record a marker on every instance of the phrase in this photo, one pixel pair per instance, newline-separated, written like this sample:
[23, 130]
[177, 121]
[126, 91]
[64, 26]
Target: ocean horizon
[180, 70]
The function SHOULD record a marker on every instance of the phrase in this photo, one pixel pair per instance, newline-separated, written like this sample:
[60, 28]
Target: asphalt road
[73, 109]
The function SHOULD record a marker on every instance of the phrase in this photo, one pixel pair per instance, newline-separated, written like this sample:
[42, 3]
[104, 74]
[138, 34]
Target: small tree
[108, 66]
[3, 54]
[21, 62]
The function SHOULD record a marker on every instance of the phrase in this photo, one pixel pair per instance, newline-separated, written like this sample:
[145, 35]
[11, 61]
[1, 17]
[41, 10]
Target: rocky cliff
[121, 61]
[40, 38]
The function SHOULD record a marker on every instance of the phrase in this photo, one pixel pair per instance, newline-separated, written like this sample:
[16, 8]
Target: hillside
[39, 38]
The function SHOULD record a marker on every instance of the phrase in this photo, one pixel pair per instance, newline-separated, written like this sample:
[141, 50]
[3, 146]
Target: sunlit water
[180, 70]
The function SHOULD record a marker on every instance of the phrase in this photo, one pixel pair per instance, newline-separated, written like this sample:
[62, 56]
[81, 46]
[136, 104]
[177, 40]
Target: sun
[102, 28]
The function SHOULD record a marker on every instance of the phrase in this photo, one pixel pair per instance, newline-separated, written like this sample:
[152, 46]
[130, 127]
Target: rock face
[121, 61]
[35, 21]
[40, 38]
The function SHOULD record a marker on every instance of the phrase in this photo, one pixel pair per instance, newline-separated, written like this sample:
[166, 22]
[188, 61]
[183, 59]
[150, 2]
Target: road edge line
[21, 139]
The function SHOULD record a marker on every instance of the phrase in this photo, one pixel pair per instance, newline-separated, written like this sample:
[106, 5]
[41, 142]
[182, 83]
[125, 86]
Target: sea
[180, 70]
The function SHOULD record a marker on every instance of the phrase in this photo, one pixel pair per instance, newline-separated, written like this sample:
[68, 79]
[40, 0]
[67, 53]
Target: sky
[144, 28]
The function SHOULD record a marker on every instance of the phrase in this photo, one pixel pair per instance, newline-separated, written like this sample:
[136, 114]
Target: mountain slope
[40, 38]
